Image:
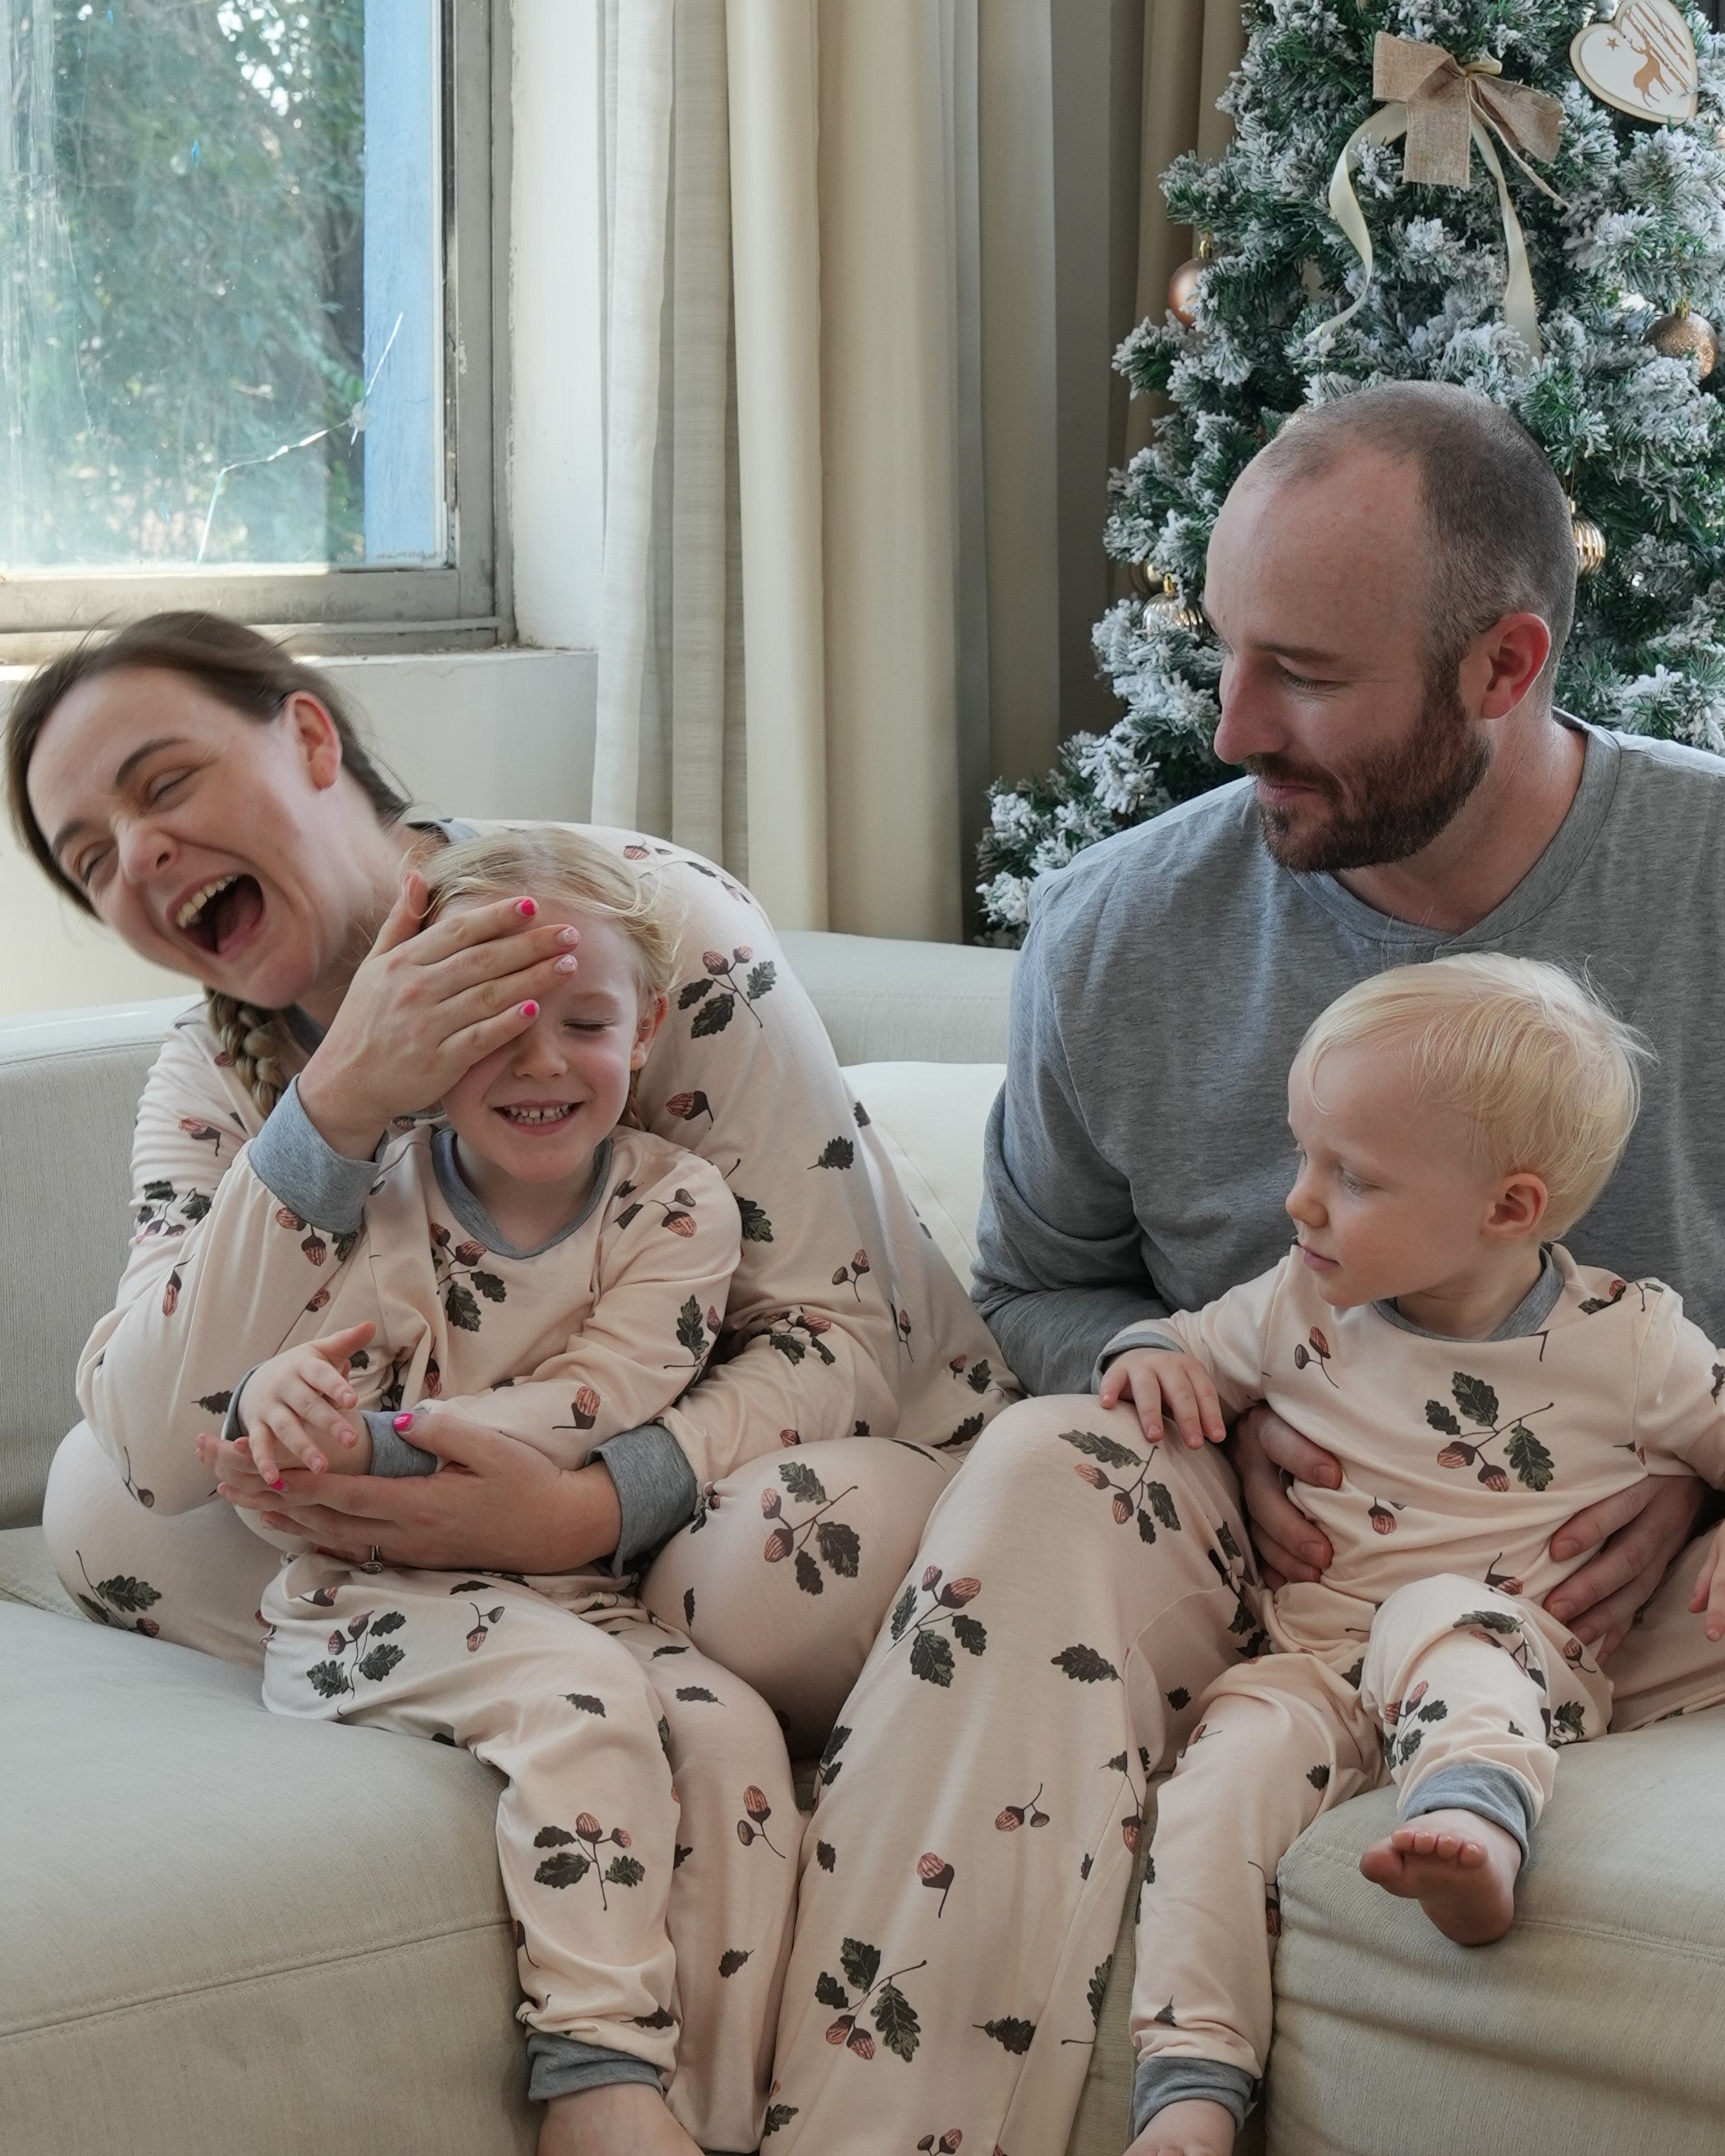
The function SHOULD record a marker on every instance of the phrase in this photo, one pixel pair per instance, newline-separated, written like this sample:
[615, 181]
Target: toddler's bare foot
[1458, 1867]
[629, 2118]
[1191, 2129]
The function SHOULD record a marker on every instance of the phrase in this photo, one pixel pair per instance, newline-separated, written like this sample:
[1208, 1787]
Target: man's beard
[1387, 807]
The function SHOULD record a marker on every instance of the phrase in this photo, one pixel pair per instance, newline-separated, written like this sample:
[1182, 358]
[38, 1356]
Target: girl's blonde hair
[1549, 1078]
[554, 863]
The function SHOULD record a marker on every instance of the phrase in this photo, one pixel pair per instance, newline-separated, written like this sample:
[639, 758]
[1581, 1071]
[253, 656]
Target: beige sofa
[223, 1935]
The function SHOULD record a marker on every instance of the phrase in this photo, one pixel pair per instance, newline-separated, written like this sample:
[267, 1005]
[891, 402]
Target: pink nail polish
[530, 1008]
[526, 907]
[403, 1422]
[278, 1484]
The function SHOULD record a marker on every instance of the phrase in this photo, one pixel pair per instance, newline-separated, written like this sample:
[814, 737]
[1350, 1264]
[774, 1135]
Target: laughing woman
[208, 799]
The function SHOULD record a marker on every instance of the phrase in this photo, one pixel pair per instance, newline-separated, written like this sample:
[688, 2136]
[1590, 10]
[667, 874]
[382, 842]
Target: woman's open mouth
[220, 915]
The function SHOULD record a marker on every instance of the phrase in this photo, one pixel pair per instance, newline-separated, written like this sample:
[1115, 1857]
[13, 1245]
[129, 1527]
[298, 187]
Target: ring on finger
[373, 1561]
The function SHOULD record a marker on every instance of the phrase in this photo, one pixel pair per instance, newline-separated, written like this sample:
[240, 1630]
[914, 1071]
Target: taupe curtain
[1191, 47]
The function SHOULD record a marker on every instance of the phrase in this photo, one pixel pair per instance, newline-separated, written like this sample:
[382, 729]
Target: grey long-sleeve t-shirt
[1138, 1156]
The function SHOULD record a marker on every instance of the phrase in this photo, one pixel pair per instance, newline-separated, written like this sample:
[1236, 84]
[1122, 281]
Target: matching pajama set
[1423, 1656]
[566, 1346]
[792, 1479]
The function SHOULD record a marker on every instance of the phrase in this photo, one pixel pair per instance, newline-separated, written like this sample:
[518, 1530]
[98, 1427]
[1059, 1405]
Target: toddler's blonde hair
[1550, 1080]
[553, 862]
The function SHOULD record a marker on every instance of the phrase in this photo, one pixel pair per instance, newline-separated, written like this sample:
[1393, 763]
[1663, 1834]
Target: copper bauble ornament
[1590, 543]
[1183, 285]
[1686, 335]
[1182, 290]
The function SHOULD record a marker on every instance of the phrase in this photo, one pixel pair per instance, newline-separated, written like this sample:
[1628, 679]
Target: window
[245, 316]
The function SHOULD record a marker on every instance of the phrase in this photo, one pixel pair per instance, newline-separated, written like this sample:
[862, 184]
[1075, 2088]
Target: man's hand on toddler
[1163, 1384]
[1708, 1600]
[300, 1406]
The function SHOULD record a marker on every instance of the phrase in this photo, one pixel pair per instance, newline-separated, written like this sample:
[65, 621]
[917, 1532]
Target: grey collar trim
[474, 1217]
[1528, 1318]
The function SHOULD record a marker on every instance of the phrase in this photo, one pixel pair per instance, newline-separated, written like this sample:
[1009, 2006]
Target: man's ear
[647, 1030]
[1506, 661]
[1522, 1202]
[313, 732]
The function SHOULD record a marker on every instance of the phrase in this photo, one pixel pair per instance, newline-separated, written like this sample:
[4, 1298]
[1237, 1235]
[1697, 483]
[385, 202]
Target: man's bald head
[1498, 524]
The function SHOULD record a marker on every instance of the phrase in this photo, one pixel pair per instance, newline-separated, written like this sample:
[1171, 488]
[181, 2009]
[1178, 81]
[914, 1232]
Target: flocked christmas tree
[1628, 272]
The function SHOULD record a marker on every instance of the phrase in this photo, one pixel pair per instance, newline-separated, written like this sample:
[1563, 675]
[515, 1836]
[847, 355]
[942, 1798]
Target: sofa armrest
[886, 1002]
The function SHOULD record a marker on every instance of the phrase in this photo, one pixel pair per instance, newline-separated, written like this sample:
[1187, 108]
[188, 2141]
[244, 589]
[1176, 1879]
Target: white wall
[490, 733]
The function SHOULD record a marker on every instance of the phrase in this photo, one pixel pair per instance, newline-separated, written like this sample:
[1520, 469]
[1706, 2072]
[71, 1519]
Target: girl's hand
[425, 1005]
[236, 1476]
[1160, 1384]
[300, 1402]
[1709, 1596]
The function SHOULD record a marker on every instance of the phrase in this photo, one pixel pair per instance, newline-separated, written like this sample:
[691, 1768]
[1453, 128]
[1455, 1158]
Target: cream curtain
[831, 587]
[671, 753]
[802, 408]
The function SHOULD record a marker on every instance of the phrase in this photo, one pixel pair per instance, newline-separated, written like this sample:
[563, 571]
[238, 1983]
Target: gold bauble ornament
[1686, 335]
[1164, 604]
[1590, 543]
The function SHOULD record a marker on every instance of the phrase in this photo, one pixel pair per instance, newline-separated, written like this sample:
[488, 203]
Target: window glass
[221, 283]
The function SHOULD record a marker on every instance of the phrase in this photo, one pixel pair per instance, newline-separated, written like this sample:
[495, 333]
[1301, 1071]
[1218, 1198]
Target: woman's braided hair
[251, 673]
[251, 1043]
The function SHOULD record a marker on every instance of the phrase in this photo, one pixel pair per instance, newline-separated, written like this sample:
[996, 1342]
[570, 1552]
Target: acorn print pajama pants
[630, 1760]
[1457, 1695]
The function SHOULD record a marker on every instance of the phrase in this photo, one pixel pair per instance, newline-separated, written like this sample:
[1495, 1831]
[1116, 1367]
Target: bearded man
[1392, 582]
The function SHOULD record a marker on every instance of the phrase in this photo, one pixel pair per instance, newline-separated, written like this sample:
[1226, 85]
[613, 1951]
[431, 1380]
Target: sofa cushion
[226, 1931]
[1593, 2027]
[879, 998]
[28, 1575]
[931, 1116]
[69, 1088]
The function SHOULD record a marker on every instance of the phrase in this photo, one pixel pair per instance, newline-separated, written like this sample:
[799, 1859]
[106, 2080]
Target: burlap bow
[1446, 108]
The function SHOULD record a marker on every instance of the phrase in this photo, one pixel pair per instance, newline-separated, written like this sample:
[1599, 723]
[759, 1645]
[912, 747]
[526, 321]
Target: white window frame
[464, 605]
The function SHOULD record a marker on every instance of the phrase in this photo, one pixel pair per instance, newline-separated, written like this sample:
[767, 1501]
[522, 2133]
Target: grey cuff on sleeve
[391, 1453]
[563, 2066]
[1166, 2077]
[655, 1486]
[233, 1422]
[1147, 1335]
[1474, 1785]
[307, 1174]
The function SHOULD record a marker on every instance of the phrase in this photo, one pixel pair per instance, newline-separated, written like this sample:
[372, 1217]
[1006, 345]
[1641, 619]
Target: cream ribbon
[1443, 82]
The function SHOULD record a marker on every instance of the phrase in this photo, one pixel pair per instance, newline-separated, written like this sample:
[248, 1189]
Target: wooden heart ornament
[1642, 61]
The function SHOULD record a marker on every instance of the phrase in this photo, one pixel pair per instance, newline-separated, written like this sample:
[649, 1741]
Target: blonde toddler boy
[1478, 1388]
